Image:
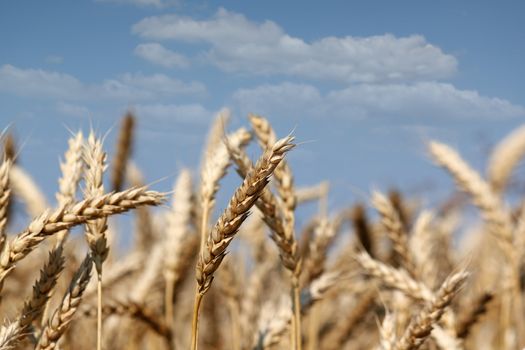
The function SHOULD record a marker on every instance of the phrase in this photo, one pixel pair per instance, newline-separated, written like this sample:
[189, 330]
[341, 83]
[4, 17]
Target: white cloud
[158, 54]
[191, 113]
[130, 87]
[418, 100]
[240, 45]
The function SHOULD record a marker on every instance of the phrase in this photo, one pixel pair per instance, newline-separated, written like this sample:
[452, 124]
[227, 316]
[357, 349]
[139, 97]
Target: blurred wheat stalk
[342, 280]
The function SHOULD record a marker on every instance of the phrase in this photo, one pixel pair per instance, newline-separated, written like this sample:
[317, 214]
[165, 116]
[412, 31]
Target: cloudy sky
[362, 84]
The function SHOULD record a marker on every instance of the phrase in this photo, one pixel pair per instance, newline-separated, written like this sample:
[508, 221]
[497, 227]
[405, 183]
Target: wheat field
[388, 273]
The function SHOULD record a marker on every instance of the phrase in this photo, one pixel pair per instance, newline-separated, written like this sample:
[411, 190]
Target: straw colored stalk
[395, 230]
[71, 169]
[229, 288]
[51, 222]
[421, 325]
[5, 192]
[179, 220]
[504, 159]
[131, 309]
[214, 168]
[26, 189]
[95, 160]
[229, 222]
[123, 151]
[63, 315]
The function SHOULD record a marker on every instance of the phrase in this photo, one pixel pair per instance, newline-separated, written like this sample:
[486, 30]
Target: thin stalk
[169, 303]
[195, 320]
[234, 316]
[99, 311]
[313, 341]
[296, 320]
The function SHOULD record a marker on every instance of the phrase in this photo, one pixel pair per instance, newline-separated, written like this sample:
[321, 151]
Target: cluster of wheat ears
[392, 277]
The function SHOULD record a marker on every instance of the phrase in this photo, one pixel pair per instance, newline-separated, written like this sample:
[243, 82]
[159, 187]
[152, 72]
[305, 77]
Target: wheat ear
[95, 160]
[177, 230]
[64, 218]
[505, 157]
[71, 169]
[395, 278]
[34, 306]
[395, 229]
[214, 169]
[123, 151]
[63, 315]
[229, 222]
[5, 192]
[421, 326]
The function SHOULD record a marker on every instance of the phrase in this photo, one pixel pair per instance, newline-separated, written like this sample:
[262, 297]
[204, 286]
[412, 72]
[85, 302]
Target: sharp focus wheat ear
[5, 192]
[267, 204]
[230, 221]
[123, 151]
[504, 159]
[421, 326]
[237, 211]
[62, 317]
[63, 218]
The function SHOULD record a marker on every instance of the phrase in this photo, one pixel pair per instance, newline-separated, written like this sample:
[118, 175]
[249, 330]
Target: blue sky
[363, 84]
